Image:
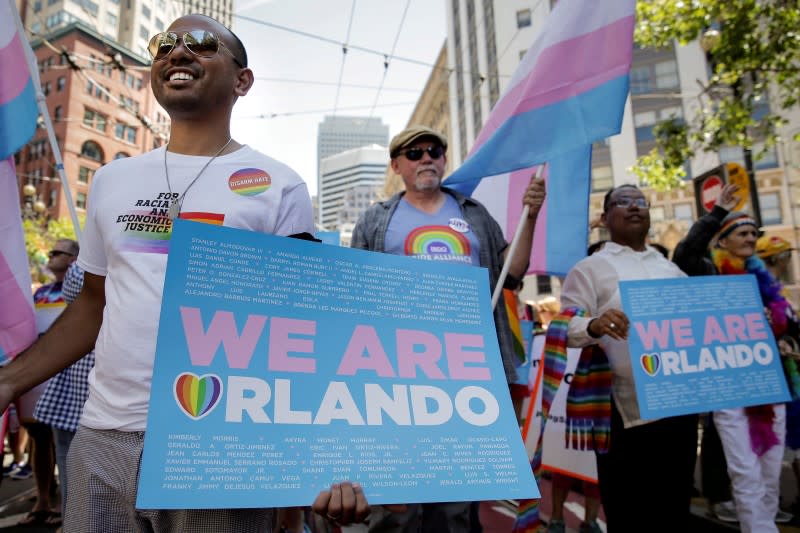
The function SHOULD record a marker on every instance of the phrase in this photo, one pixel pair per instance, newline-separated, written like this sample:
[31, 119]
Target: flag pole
[41, 103]
[498, 288]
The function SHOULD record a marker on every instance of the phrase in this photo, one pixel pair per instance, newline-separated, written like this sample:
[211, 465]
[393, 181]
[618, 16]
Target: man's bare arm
[70, 337]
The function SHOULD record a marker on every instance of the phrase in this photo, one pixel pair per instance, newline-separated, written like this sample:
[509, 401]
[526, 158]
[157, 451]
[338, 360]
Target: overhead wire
[317, 111]
[386, 63]
[344, 56]
[333, 83]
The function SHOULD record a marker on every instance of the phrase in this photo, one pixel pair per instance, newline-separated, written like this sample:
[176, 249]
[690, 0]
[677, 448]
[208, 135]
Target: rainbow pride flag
[512, 311]
[568, 92]
[17, 95]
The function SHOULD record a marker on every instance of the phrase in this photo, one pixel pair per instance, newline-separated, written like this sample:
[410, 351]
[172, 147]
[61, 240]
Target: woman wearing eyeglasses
[752, 437]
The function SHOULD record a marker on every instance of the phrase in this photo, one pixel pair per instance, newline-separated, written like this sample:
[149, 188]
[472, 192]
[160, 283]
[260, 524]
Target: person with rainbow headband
[752, 437]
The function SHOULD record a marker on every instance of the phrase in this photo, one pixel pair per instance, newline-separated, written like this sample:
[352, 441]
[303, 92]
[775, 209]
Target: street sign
[709, 191]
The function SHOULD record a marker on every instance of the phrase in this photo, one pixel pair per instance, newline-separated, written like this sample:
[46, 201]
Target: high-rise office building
[339, 133]
[351, 181]
[130, 23]
[222, 10]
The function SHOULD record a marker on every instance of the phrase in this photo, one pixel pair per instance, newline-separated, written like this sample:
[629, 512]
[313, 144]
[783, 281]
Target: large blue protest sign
[701, 344]
[284, 365]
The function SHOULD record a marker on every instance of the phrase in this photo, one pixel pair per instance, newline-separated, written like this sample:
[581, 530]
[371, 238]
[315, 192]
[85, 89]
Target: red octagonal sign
[711, 187]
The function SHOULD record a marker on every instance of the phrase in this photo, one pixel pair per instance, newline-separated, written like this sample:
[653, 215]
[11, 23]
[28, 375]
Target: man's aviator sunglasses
[201, 43]
[415, 154]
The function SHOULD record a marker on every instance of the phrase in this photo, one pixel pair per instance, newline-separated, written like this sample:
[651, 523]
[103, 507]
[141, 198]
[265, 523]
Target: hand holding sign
[343, 504]
[612, 322]
[728, 199]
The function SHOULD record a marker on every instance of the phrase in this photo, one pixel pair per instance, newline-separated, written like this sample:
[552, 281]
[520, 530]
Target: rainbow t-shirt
[442, 236]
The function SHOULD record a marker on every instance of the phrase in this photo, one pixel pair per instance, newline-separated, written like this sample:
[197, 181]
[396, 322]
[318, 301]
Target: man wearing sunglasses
[630, 492]
[456, 229]
[198, 73]
[49, 303]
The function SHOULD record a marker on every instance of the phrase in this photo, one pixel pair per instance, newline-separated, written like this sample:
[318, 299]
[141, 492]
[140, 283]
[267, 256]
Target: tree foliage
[755, 56]
[40, 236]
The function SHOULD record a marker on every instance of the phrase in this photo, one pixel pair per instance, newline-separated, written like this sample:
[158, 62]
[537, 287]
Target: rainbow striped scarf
[512, 311]
[591, 405]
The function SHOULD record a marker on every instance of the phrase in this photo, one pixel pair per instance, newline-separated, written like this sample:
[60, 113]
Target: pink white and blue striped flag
[17, 124]
[17, 96]
[568, 92]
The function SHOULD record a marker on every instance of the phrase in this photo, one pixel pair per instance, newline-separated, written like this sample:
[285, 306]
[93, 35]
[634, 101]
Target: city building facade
[130, 23]
[99, 113]
[488, 38]
[351, 181]
[340, 133]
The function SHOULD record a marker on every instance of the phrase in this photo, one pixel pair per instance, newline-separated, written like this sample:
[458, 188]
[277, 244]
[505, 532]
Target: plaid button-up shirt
[61, 403]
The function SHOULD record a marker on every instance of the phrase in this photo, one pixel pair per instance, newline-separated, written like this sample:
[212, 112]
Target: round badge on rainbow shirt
[436, 240]
[249, 181]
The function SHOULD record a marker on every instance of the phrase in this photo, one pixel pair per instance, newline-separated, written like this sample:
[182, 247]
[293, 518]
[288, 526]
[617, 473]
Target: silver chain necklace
[177, 203]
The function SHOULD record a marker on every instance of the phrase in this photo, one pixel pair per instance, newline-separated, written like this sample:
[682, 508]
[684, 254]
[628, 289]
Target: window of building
[523, 18]
[770, 204]
[682, 212]
[37, 6]
[47, 88]
[84, 174]
[53, 197]
[58, 112]
[159, 24]
[88, 5]
[656, 76]
[80, 200]
[146, 12]
[144, 33]
[666, 74]
[92, 150]
[125, 132]
[602, 178]
[645, 120]
[95, 120]
[61, 83]
[767, 159]
[111, 19]
[121, 155]
[36, 27]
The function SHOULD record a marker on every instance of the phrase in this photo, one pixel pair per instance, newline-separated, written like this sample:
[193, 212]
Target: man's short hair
[72, 246]
[411, 134]
[611, 191]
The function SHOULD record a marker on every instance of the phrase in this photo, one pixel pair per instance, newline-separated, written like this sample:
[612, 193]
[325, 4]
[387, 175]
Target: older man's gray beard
[427, 183]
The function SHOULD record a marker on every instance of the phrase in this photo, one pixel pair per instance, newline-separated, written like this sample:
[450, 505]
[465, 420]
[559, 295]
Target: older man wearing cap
[418, 156]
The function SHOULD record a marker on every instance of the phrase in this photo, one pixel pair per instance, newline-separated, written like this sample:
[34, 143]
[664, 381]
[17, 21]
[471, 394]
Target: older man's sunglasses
[415, 154]
[201, 43]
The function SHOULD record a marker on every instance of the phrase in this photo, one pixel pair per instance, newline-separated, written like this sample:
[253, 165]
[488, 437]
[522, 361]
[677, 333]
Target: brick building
[101, 109]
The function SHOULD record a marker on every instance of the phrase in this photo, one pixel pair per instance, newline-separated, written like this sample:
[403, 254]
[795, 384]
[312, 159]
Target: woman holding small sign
[752, 437]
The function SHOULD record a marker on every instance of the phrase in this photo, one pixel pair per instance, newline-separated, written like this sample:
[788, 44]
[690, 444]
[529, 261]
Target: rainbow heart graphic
[651, 363]
[197, 395]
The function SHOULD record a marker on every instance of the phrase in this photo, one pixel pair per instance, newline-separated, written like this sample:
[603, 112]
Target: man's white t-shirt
[126, 239]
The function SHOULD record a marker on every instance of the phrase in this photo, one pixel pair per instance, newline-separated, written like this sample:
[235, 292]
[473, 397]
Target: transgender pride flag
[17, 123]
[17, 96]
[568, 91]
